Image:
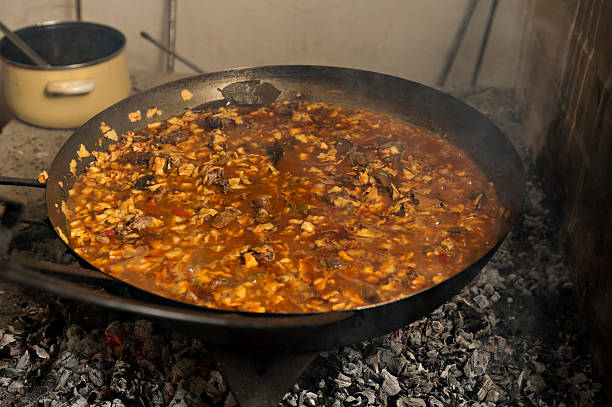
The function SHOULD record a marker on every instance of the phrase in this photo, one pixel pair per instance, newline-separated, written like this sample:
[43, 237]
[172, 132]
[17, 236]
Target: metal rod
[70, 273]
[171, 34]
[21, 182]
[452, 53]
[24, 47]
[163, 48]
[79, 14]
[485, 40]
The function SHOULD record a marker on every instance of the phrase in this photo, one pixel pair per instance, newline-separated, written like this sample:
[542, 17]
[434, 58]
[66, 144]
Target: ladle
[25, 48]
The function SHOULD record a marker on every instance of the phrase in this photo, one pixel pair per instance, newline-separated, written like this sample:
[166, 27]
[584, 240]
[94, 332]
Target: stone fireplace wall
[565, 86]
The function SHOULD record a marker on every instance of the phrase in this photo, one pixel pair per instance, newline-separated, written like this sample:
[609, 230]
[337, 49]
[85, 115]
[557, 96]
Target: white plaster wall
[408, 38]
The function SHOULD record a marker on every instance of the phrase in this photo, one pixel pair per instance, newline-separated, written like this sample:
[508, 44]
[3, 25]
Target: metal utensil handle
[160, 46]
[25, 48]
[21, 182]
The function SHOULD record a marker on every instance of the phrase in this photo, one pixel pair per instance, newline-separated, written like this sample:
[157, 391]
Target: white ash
[512, 337]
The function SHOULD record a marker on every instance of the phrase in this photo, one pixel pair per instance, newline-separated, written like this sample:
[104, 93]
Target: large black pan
[463, 126]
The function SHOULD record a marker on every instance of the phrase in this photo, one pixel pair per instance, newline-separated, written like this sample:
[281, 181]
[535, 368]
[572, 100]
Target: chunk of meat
[343, 146]
[424, 201]
[287, 110]
[383, 177]
[143, 182]
[275, 151]
[225, 217]
[261, 216]
[456, 231]
[214, 122]
[360, 159]
[215, 175]
[140, 158]
[260, 202]
[174, 137]
[140, 222]
[333, 263]
[263, 253]
[342, 200]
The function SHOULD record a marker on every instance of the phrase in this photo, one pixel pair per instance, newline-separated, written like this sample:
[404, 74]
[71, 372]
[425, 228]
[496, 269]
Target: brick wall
[564, 88]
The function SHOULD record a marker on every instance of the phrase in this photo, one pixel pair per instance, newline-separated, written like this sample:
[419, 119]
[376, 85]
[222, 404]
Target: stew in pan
[289, 207]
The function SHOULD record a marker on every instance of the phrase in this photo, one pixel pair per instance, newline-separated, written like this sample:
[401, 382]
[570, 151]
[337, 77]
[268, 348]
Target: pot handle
[71, 87]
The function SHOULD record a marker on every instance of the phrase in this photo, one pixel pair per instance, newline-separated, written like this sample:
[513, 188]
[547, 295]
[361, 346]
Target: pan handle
[21, 182]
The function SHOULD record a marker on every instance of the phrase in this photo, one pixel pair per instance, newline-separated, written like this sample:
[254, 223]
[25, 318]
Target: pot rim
[105, 58]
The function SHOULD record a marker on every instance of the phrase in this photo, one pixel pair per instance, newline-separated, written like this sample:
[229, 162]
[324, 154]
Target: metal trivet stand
[256, 377]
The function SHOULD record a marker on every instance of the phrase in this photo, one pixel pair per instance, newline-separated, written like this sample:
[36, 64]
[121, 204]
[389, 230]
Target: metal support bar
[485, 40]
[452, 53]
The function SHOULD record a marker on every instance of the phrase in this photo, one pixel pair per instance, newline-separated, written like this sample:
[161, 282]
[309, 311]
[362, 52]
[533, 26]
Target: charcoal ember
[434, 402]
[152, 347]
[395, 364]
[154, 397]
[201, 388]
[216, 379]
[373, 362]
[390, 384]
[536, 382]
[482, 301]
[486, 386]
[78, 401]
[369, 395]
[6, 338]
[352, 369]
[183, 368]
[97, 377]
[230, 401]
[434, 329]
[307, 399]
[291, 399]
[117, 403]
[351, 353]
[414, 336]
[90, 345]
[578, 379]
[342, 380]
[16, 387]
[476, 364]
[67, 360]
[180, 399]
[410, 402]
[123, 382]
[167, 391]
[118, 329]
[83, 387]
[24, 363]
[41, 352]
[143, 328]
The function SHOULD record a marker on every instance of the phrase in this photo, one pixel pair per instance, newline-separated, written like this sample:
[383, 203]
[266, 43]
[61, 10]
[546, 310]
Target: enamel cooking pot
[88, 73]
